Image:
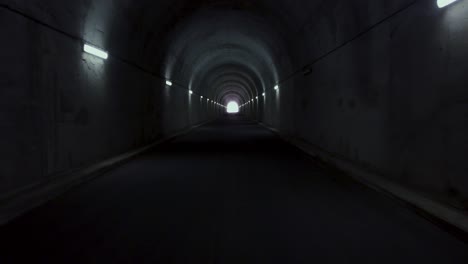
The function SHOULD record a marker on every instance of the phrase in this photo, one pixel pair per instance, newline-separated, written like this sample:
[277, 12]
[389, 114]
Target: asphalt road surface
[228, 192]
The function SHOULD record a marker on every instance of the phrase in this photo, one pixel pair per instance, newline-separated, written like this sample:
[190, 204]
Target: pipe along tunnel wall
[384, 85]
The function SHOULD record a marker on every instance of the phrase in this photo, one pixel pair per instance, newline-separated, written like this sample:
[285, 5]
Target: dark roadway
[229, 192]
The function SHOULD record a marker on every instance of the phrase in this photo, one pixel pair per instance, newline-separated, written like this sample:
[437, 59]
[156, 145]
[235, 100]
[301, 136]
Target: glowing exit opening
[233, 108]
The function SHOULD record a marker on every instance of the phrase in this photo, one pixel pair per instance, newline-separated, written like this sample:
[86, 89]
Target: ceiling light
[95, 51]
[444, 3]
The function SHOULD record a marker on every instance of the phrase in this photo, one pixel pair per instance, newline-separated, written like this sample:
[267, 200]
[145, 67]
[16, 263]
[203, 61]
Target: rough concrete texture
[229, 192]
[62, 109]
[393, 100]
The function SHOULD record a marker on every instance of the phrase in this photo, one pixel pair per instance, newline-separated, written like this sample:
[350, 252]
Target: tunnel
[234, 131]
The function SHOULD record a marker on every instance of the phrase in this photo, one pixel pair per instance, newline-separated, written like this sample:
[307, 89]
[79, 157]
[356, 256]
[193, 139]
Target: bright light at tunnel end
[232, 108]
[95, 51]
[444, 3]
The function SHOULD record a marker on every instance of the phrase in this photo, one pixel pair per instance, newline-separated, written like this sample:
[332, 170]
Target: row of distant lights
[169, 83]
[276, 88]
[105, 55]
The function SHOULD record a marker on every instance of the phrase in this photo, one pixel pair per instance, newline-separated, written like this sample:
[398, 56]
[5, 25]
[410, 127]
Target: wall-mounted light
[168, 83]
[276, 87]
[95, 51]
[263, 94]
[256, 97]
[444, 3]
[201, 96]
[190, 92]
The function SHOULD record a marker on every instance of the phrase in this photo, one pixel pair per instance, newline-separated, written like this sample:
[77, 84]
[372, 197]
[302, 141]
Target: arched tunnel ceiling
[187, 40]
[241, 76]
[207, 45]
[182, 40]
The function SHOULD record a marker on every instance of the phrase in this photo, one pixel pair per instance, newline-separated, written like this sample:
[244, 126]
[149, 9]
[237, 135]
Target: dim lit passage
[240, 131]
[229, 192]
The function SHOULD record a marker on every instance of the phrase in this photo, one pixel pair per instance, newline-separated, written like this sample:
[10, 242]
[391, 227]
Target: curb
[447, 218]
[20, 201]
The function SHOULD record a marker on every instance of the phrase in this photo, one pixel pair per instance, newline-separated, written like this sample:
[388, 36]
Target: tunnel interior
[375, 88]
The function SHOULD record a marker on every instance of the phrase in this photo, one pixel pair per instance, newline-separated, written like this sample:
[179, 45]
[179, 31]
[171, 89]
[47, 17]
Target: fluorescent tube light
[95, 51]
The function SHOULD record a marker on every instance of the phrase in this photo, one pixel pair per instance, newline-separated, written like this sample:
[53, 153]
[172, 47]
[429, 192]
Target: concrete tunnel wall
[393, 100]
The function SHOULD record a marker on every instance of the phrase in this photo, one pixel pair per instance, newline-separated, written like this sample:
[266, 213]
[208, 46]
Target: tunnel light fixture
[168, 83]
[276, 87]
[190, 92]
[264, 94]
[201, 96]
[256, 97]
[444, 3]
[95, 51]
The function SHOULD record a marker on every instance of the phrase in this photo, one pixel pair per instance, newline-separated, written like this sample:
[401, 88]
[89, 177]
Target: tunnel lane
[229, 192]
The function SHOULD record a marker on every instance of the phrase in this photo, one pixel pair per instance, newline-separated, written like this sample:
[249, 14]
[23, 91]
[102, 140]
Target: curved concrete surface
[376, 88]
[229, 192]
